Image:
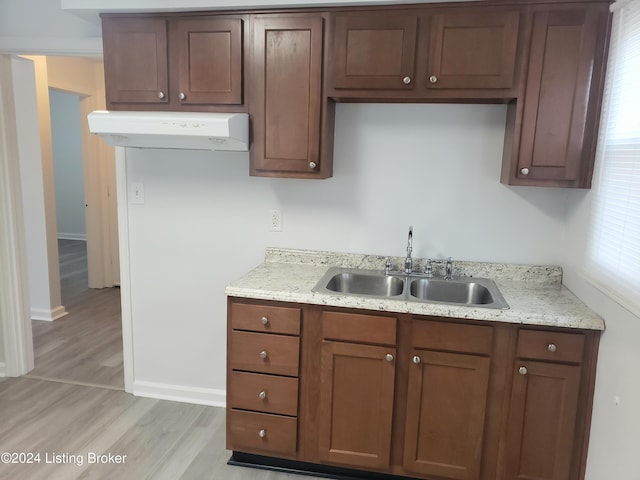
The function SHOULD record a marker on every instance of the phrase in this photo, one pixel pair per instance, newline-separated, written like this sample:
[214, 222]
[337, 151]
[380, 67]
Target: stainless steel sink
[466, 291]
[459, 290]
[361, 283]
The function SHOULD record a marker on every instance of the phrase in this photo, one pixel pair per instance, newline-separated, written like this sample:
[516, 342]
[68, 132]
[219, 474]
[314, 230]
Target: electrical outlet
[275, 221]
[136, 193]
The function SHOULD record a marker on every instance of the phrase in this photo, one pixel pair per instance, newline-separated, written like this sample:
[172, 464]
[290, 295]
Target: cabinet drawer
[352, 327]
[280, 353]
[263, 393]
[542, 345]
[452, 337]
[249, 431]
[261, 318]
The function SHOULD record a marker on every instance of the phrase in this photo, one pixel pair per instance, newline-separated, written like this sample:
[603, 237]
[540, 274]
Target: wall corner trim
[3, 370]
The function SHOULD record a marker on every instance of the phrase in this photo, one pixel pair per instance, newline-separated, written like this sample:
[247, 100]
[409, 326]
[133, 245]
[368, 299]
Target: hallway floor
[85, 346]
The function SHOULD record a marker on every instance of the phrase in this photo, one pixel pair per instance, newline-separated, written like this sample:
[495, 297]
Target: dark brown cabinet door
[561, 103]
[209, 60]
[446, 414]
[356, 404]
[374, 51]
[286, 96]
[473, 49]
[542, 420]
[135, 60]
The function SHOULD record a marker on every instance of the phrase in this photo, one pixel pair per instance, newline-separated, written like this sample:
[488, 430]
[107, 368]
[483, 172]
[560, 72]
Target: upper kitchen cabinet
[177, 63]
[552, 130]
[292, 120]
[425, 54]
[208, 51]
[374, 50]
[135, 61]
[473, 49]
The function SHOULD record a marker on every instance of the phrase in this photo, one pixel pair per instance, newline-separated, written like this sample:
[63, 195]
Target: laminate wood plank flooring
[72, 404]
[161, 439]
[85, 346]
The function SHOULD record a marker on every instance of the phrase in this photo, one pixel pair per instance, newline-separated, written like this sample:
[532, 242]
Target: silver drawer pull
[416, 359]
[389, 357]
[262, 395]
[263, 355]
[262, 433]
[264, 321]
[522, 370]
[552, 347]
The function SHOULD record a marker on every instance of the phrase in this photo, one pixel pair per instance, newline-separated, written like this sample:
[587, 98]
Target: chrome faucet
[448, 272]
[408, 262]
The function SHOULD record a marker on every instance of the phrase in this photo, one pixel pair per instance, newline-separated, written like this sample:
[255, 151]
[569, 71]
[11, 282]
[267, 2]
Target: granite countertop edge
[535, 294]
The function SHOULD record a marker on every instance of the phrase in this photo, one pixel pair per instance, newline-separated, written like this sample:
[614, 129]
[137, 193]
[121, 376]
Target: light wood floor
[85, 346]
[71, 404]
[161, 439]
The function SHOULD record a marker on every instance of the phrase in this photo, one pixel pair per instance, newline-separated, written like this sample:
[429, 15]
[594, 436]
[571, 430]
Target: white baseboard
[3, 370]
[72, 236]
[48, 315]
[178, 393]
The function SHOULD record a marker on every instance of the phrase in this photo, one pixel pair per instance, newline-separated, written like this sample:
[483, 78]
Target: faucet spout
[408, 262]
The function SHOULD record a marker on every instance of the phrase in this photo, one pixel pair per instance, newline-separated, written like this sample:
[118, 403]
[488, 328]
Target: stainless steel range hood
[191, 131]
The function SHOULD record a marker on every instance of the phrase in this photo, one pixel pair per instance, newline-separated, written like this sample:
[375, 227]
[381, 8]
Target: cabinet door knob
[416, 359]
[262, 433]
[262, 395]
[522, 370]
[264, 321]
[312, 165]
[160, 95]
[524, 171]
[433, 79]
[406, 80]
[389, 357]
[263, 355]
[552, 347]
[182, 96]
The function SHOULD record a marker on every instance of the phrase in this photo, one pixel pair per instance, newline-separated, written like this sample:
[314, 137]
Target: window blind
[613, 252]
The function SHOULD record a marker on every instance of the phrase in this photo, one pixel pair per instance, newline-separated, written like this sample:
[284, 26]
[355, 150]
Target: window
[614, 239]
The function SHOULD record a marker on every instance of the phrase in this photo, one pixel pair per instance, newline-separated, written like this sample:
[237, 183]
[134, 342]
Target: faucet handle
[387, 266]
[428, 269]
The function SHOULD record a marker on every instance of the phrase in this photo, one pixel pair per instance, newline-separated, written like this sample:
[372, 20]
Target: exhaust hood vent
[190, 131]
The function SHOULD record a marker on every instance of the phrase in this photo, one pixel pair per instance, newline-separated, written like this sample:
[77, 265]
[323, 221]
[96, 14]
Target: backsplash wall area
[205, 222]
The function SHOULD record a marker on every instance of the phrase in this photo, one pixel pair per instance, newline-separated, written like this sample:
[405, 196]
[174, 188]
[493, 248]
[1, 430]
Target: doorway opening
[85, 346]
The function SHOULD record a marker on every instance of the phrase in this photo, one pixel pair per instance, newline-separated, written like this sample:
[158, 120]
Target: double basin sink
[465, 291]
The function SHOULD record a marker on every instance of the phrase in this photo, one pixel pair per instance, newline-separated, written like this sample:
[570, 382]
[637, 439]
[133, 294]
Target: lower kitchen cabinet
[446, 414]
[356, 404]
[262, 378]
[357, 373]
[421, 397]
[447, 397]
[542, 421]
[544, 405]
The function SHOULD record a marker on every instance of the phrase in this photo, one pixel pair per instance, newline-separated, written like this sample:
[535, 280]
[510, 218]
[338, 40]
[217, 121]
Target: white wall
[38, 196]
[41, 27]
[615, 431]
[204, 221]
[16, 343]
[67, 164]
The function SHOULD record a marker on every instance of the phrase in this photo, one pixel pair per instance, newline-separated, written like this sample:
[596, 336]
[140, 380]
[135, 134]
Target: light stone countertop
[534, 293]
